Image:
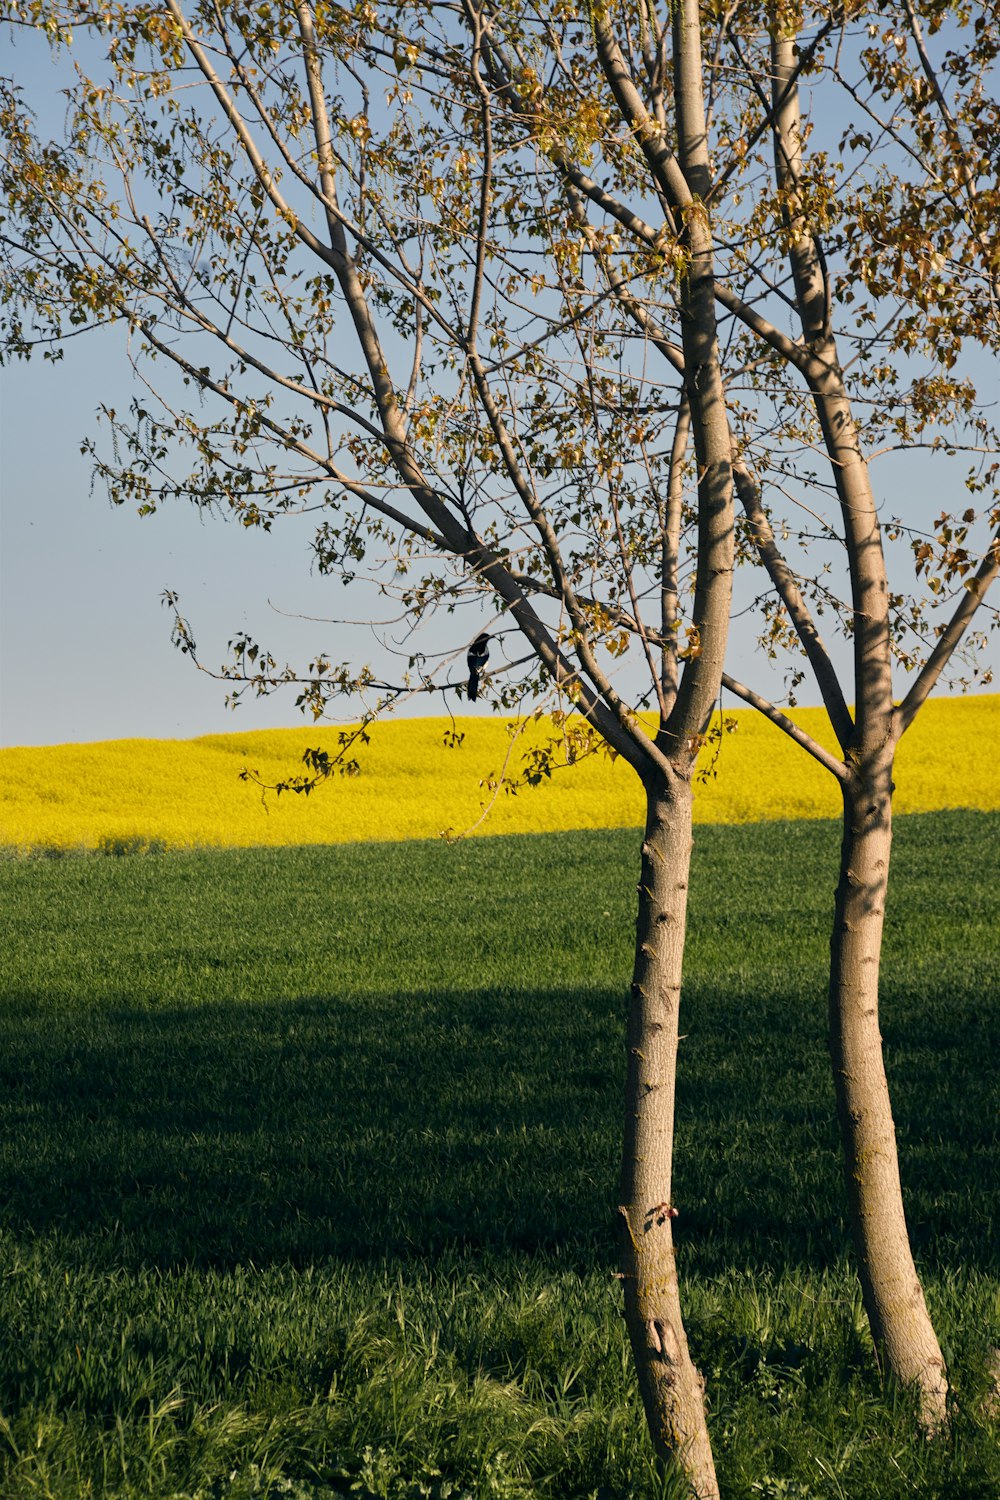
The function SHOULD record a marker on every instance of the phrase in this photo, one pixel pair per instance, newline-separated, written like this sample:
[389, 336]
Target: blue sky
[85, 650]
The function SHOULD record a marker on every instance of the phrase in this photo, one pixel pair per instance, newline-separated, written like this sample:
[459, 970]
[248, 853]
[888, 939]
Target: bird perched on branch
[479, 655]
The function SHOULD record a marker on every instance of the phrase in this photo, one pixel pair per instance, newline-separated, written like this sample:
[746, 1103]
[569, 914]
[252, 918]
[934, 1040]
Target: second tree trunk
[893, 1297]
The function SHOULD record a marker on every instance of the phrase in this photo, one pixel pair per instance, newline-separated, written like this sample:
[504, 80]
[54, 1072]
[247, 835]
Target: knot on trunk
[664, 1345]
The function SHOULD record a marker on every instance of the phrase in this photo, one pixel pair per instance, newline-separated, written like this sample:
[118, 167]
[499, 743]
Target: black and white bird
[479, 655]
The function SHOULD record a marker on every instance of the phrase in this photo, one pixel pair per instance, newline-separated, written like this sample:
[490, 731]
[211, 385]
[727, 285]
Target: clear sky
[85, 650]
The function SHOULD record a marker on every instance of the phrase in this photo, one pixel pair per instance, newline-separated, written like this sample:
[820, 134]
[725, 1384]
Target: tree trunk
[894, 1301]
[672, 1390]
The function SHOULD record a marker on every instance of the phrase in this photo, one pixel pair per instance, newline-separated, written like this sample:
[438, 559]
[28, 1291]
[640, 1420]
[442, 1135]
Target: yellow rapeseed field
[185, 793]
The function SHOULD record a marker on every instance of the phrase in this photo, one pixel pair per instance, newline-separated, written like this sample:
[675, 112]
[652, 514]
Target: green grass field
[308, 1160]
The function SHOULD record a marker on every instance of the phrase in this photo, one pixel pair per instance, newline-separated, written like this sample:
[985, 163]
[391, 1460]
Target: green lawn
[308, 1162]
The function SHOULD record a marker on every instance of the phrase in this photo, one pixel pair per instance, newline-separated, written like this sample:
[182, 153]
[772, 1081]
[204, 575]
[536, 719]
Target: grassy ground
[307, 1163]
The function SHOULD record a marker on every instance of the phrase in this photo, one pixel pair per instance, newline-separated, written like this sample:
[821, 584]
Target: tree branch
[783, 722]
[950, 638]
[798, 611]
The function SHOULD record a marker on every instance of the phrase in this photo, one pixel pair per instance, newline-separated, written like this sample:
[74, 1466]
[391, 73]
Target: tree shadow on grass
[407, 1125]
[308, 1127]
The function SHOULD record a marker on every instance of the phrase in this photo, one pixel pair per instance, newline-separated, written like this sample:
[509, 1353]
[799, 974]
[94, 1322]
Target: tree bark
[904, 1337]
[672, 1390]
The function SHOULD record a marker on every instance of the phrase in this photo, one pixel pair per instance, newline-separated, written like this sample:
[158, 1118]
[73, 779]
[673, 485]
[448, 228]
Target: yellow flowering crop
[183, 793]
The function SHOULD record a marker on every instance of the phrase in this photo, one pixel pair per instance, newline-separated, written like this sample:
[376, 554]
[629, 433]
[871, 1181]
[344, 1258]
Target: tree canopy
[422, 270]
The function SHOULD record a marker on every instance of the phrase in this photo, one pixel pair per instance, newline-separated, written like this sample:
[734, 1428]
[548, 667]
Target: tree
[496, 437]
[861, 282]
[591, 280]
[912, 259]
[867, 283]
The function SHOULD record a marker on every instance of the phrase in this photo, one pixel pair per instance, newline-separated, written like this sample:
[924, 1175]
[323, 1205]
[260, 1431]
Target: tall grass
[307, 1167]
